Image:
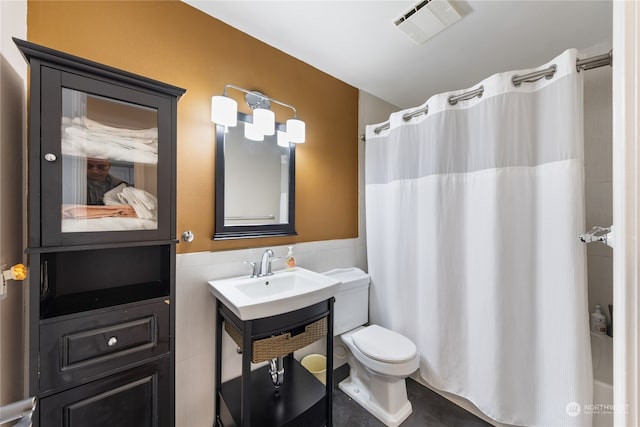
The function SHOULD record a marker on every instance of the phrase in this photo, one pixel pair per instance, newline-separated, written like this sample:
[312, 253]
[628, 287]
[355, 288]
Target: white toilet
[379, 359]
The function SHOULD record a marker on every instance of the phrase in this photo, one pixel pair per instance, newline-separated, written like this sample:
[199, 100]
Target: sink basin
[256, 297]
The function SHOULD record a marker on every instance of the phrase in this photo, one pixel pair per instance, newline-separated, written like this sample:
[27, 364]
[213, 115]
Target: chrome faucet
[265, 263]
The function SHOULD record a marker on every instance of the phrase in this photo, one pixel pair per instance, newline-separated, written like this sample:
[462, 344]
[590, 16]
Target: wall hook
[188, 236]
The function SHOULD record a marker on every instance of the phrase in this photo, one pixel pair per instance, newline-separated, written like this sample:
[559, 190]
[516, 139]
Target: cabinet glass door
[106, 162]
[109, 164]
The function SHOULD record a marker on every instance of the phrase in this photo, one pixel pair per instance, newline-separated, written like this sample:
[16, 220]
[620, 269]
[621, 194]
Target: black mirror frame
[226, 232]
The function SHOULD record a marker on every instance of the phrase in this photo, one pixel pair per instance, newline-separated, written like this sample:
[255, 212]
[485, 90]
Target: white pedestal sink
[283, 291]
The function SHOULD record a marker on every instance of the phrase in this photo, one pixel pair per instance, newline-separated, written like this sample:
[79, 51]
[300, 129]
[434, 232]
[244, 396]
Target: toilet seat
[384, 345]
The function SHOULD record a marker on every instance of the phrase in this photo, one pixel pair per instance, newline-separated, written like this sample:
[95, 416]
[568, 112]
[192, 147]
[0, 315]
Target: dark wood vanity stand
[101, 286]
[251, 399]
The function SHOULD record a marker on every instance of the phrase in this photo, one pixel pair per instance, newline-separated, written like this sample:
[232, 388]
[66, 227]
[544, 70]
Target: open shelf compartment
[300, 400]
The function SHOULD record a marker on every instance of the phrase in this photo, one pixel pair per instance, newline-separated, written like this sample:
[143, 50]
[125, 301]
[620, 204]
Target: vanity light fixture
[296, 131]
[224, 111]
[253, 132]
[264, 121]
[283, 139]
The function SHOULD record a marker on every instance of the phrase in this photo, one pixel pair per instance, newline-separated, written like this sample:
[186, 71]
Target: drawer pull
[112, 341]
[50, 157]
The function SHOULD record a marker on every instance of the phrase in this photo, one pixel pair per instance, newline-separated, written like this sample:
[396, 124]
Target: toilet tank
[351, 308]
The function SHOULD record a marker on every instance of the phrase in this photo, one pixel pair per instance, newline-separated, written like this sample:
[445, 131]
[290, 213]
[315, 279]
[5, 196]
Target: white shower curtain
[473, 214]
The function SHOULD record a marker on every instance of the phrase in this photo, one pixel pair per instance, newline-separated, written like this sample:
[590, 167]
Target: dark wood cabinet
[94, 343]
[101, 233]
[133, 398]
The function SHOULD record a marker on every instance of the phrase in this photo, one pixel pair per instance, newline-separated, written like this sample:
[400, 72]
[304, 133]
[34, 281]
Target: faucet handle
[254, 265]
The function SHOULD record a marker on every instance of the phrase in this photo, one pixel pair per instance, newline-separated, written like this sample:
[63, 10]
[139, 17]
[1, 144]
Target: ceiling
[357, 42]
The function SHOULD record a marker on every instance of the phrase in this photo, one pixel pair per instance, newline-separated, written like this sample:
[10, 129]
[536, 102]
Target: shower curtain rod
[581, 64]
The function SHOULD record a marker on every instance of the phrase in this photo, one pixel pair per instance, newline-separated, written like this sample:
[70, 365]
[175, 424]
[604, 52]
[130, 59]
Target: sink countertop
[284, 291]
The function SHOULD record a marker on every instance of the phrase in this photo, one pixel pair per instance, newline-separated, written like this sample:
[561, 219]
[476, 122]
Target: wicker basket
[279, 345]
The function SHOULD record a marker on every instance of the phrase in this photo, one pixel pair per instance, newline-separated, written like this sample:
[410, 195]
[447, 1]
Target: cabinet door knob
[50, 157]
[112, 341]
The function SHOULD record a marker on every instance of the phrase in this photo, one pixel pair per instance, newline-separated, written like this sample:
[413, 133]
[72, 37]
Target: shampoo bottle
[598, 321]
[290, 260]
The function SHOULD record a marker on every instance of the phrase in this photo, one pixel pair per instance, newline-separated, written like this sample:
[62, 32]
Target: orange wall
[177, 44]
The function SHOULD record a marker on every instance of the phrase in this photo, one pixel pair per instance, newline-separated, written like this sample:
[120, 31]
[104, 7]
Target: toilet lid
[384, 345]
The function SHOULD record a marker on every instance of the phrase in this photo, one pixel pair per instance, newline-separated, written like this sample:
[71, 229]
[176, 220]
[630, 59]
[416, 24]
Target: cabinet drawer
[93, 346]
[77, 349]
[135, 398]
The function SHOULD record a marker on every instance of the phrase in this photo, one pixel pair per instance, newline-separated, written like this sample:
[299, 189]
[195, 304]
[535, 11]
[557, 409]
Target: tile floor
[429, 409]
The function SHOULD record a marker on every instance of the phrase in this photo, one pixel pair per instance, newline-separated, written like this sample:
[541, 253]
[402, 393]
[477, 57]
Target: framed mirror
[255, 185]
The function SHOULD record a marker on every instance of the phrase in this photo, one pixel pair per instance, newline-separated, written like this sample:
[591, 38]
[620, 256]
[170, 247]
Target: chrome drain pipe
[276, 370]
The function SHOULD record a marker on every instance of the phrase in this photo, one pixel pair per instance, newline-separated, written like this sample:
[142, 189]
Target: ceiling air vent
[426, 19]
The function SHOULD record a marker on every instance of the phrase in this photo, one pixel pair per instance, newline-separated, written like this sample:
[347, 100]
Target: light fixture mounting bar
[295, 113]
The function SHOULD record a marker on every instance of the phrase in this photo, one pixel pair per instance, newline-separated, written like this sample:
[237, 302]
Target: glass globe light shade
[283, 139]
[265, 120]
[224, 111]
[252, 132]
[296, 131]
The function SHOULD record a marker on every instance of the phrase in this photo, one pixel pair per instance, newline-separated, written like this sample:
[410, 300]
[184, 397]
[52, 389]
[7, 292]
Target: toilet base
[362, 397]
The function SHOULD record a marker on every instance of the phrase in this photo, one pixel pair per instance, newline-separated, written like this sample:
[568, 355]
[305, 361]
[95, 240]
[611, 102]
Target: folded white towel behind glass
[151, 133]
[83, 137]
[144, 203]
[83, 147]
[111, 196]
[134, 143]
[97, 126]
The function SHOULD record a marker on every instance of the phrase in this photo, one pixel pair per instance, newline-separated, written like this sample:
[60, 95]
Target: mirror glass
[255, 184]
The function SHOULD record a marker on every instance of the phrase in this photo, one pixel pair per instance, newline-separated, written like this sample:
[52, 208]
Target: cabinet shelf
[300, 400]
[50, 249]
[103, 298]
